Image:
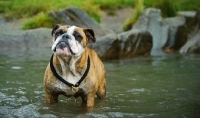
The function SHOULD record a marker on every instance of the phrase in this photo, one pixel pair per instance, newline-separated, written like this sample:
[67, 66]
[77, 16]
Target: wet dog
[74, 69]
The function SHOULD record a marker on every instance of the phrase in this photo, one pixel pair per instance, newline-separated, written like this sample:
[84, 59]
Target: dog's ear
[89, 33]
[55, 28]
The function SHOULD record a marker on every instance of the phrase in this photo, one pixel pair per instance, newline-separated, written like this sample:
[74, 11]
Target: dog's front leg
[51, 98]
[88, 100]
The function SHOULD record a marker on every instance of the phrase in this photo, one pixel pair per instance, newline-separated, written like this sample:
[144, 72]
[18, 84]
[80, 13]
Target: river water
[150, 87]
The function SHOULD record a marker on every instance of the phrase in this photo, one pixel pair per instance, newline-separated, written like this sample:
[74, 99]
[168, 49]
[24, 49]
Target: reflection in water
[165, 86]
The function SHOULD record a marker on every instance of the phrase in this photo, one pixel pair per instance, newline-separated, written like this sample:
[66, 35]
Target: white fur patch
[55, 43]
[69, 73]
[71, 30]
[75, 46]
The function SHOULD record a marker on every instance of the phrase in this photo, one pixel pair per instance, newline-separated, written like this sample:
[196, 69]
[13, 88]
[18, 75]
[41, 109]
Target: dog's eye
[77, 36]
[58, 34]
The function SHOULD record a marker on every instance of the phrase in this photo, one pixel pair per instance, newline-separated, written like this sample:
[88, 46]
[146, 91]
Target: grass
[111, 5]
[138, 10]
[169, 8]
[25, 9]
[35, 12]
[41, 20]
[4, 5]
[114, 4]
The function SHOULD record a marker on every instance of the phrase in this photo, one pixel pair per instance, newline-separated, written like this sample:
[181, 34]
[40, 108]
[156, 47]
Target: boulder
[192, 21]
[123, 45]
[75, 16]
[193, 25]
[103, 44]
[166, 33]
[192, 45]
[177, 33]
[25, 40]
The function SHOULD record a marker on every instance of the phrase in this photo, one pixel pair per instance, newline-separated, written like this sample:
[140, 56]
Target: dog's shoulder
[92, 53]
[95, 58]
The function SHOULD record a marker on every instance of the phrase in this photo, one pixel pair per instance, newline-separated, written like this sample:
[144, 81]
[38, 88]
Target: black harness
[76, 86]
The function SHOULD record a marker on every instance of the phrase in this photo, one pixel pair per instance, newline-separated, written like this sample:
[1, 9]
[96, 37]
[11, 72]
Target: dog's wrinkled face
[71, 40]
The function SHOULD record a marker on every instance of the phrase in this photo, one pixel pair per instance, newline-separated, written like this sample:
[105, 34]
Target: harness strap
[63, 80]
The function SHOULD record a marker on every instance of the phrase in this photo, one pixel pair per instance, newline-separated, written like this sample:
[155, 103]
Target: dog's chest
[70, 75]
[70, 79]
[69, 72]
[73, 79]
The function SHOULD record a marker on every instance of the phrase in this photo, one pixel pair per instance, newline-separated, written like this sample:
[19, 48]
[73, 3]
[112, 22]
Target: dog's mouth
[63, 48]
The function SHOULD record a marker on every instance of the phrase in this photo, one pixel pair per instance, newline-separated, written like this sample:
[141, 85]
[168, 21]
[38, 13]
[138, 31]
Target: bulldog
[74, 69]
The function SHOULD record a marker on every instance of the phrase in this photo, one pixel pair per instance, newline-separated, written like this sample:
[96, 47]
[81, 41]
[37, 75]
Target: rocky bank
[150, 35]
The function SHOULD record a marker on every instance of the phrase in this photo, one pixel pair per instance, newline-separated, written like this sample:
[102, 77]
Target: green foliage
[36, 10]
[32, 9]
[138, 10]
[4, 5]
[111, 5]
[41, 20]
[92, 9]
[114, 4]
[169, 8]
[25, 8]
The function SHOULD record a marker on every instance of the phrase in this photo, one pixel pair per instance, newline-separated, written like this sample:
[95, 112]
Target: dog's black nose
[65, 36]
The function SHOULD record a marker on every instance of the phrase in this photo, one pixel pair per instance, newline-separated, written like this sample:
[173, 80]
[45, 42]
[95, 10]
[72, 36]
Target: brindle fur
[93, 84]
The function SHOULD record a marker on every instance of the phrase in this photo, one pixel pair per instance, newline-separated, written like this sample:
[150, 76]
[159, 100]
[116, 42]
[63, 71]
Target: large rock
[25, 40]
[177, 33]
[192, 21]
[126, 44]
[103, 44]
[168, 34]
[111, 46]
[192, 45]
[75, 16]
[193, 25]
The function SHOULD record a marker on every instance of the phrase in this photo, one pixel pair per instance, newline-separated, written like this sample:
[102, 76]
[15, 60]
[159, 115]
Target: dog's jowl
[74, 69]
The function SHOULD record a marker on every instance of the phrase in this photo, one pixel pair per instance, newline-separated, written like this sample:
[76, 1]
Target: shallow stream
[162, 86]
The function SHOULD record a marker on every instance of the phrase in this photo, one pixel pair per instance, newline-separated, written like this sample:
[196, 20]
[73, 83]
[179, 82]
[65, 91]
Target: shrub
[41, 20]
[25, 9]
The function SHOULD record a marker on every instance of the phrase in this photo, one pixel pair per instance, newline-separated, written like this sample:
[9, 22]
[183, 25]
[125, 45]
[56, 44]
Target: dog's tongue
[62, 51]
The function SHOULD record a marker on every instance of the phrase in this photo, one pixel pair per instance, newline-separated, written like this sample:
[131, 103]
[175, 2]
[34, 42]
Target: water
[152, 87]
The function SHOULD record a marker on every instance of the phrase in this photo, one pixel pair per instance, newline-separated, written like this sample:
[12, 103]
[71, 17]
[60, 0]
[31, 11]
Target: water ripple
[16, 67]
